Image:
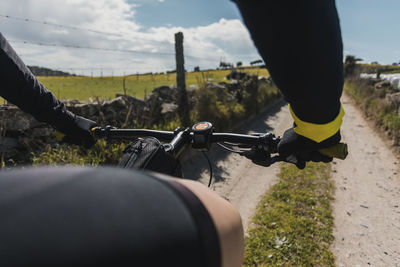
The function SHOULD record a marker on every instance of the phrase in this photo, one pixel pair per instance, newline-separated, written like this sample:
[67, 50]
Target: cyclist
[109, 216]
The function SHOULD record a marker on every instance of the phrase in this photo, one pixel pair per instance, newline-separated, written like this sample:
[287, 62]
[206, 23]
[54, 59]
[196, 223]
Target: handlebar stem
[178, 144]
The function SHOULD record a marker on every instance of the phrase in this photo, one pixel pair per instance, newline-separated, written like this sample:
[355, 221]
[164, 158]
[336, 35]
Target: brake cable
[210, 166]
[230, 149]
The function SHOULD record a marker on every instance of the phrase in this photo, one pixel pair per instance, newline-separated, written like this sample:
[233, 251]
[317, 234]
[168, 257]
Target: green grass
[83, 88]
[374, 105]
[392, 72]
[99, 154]
[371, 68]
[293, 222]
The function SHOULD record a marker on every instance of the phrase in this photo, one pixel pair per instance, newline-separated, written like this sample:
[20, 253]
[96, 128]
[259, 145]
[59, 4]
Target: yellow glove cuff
[317, 132]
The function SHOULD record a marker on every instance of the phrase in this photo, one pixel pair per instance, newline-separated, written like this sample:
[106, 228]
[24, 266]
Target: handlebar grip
[339, 151]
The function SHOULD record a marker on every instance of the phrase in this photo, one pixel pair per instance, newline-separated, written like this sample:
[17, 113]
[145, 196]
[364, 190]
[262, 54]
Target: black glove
[80, 132]
[298, 149]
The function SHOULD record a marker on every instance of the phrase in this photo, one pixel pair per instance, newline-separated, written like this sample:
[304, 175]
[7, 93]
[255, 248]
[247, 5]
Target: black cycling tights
[104, 216]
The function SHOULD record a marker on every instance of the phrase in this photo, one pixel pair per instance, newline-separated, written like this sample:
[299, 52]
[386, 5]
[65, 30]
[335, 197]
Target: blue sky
[371, 28]
[154, 13]
[212, 28]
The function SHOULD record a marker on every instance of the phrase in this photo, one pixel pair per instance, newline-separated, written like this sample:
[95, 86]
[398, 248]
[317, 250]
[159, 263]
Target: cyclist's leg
[108, 216]
[227, 222]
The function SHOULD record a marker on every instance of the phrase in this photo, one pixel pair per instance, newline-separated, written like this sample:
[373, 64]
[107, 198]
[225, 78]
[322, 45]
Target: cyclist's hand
[80, 132]
[298, 149]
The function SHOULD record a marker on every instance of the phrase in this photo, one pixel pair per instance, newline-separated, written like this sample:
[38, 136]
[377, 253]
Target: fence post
[124, 84]
[183, 103]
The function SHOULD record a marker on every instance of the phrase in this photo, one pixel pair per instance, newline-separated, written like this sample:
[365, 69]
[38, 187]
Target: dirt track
[237, 178]
[367, 205]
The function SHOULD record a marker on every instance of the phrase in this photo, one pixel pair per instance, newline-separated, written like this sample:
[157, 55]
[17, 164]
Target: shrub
[373, 103]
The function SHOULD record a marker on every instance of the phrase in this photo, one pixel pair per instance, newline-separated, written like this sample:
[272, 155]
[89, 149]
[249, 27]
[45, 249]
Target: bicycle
[109, 216]
[258, 147]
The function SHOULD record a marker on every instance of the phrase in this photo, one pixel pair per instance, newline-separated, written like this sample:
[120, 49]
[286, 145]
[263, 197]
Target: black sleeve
[301, 44]
[20, 87]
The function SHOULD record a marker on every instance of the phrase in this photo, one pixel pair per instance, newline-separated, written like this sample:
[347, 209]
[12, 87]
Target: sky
[137, 36]
[371, 29]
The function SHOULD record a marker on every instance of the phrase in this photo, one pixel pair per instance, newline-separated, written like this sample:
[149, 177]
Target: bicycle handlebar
[168, 136]
[126, 134]
[202, 136]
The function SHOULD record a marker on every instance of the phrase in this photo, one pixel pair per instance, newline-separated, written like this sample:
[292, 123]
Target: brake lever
[261, 154]
[258, 160]
[264, 160]
[260, 157]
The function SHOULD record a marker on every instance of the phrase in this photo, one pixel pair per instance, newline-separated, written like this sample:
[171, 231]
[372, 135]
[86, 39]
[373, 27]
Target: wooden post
[183, 103]
[124, 84]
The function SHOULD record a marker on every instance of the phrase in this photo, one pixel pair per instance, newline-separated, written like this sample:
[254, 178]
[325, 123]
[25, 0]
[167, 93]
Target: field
[83, 88]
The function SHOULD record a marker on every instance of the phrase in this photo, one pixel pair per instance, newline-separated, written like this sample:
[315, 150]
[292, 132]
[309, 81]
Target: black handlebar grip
[339, 151]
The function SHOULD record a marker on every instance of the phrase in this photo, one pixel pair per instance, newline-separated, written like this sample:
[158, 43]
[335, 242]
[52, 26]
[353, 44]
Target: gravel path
[237, 178]
[367, 200]
[367, 205]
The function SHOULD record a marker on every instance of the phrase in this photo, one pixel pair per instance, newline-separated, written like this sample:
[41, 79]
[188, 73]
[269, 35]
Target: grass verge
[375, 106]
[293, 222]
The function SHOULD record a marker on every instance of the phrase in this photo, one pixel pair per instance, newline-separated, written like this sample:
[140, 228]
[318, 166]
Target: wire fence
[166, 47]
[140, 79]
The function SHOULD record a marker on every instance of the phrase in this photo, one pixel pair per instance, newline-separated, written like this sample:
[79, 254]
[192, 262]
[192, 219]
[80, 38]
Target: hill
[40, 71]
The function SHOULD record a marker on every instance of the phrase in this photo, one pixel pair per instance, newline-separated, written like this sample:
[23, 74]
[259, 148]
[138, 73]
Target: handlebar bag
[149, 154]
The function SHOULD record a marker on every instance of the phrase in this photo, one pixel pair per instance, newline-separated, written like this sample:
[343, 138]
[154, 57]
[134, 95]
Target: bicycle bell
[202, 132]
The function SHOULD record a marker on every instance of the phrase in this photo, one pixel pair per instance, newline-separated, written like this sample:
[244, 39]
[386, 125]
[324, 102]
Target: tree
[350, 65]
[197, 69]
[224, 65]
[239, 64]
[258, 61]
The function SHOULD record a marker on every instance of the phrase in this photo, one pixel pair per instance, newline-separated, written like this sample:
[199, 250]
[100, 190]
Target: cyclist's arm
[300, 42]
[20, 87]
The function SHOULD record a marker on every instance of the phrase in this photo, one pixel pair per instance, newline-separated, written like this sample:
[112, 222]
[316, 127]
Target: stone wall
[20, 133]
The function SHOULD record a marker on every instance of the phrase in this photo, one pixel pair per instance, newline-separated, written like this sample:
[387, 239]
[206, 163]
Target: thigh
[227, 222]
[103, 216]
[225, 217]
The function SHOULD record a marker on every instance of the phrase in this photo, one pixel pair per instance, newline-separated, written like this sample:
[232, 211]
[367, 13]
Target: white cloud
[225, 39]
[204, 46]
